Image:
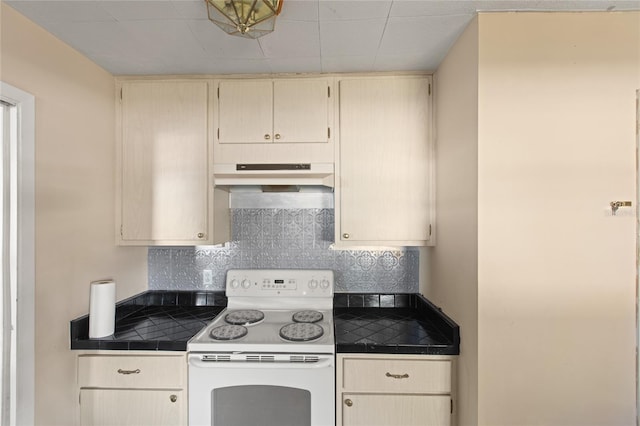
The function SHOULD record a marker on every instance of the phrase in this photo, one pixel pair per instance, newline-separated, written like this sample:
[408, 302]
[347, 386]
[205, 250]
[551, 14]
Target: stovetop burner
[283, 311]
[301, 332]
[307, 316]
[244, 317]
[228, 332]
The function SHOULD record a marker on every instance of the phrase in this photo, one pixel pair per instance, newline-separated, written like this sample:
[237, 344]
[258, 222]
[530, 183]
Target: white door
[7, 307]
[638, 258]
[18, 276]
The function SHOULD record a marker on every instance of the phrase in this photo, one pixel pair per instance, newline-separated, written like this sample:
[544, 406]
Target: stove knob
[234, 283]
[246, 284]
[324, 284]
[313, 284]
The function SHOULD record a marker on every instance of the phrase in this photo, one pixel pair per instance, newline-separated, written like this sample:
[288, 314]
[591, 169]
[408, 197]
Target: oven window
[260, 405]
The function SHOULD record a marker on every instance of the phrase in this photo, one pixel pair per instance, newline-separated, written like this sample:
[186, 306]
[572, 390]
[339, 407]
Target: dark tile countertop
[375, 323]
[153, 320]
[393, 324]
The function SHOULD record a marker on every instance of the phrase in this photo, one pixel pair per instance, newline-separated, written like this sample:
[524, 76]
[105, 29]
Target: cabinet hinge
[451, 406]
[329, 132]
[219, 92]
[429, 230]
[328, 91]
[218, 132]
[121, 233]
[79, 398]
[429, 89]
[121, 93]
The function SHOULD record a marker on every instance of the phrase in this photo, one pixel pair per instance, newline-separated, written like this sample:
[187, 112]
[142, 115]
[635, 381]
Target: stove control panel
[280, 282]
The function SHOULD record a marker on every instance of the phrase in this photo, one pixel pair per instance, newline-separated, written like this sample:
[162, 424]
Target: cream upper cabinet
[301, 111]
[384, 195]
[123, 389]
[245, 111]
[391, 390]
[274, 111]
[165, 194]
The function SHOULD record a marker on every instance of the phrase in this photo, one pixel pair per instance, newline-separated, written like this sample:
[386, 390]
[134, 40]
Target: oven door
[261, 390]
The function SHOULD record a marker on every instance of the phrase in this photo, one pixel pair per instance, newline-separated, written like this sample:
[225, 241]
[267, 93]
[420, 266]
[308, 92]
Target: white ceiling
[175, 37]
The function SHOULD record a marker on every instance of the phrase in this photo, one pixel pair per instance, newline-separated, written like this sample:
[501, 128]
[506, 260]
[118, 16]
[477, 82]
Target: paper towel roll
[102, 309]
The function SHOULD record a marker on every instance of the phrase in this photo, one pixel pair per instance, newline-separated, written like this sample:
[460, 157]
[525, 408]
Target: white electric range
[268, 359]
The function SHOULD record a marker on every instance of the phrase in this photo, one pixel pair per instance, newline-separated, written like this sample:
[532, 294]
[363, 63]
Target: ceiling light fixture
[244, 18]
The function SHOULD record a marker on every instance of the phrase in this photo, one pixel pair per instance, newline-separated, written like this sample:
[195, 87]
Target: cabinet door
[164, 162]
[395, 410]
[245, 111]
[301, 111]
[122, 407]
[384, 161]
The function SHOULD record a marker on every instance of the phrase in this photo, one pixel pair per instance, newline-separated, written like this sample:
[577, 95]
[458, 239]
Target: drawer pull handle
[121, 371]
[397, 376]
[348, 402]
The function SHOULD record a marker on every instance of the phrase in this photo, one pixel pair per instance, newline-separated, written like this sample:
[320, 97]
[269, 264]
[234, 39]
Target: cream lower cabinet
[109, 407]
[394, 390]
[132, 390]
[165, 192]
[384, 191]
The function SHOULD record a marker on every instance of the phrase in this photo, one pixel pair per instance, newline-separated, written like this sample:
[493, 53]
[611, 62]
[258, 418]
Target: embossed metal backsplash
[284, 238]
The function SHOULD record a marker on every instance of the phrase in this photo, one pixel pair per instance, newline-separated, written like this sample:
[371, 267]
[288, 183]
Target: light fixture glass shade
[244, 18]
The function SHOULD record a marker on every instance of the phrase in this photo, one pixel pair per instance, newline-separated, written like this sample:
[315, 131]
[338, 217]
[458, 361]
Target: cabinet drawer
[390, 376]
[122, 371]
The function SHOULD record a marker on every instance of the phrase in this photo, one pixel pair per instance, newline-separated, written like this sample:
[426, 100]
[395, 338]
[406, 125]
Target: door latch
[615, 205]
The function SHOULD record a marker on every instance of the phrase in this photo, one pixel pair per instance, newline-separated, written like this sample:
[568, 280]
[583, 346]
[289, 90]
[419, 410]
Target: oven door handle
[196, 361]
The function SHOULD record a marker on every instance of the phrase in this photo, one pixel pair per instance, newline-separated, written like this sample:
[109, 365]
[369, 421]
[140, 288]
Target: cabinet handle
[267, 136]
[200, 235]
[345, 236]
[173, 398]
[397, 376]
[277, 135]
[348, 402]
[121, 371]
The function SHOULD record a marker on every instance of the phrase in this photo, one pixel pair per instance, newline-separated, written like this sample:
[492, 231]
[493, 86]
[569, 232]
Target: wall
[453, 261]
[297, 238]
[74, 199]
[535, 136]
[556, 272]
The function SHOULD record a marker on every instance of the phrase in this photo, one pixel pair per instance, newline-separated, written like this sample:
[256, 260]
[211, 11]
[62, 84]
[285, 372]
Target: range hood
[269, 175]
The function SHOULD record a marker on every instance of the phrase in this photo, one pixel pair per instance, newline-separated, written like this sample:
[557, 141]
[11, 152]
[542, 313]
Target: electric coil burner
[274, 346]
[228, 332]
[307, 316]
[301, 332]
[245, 317]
